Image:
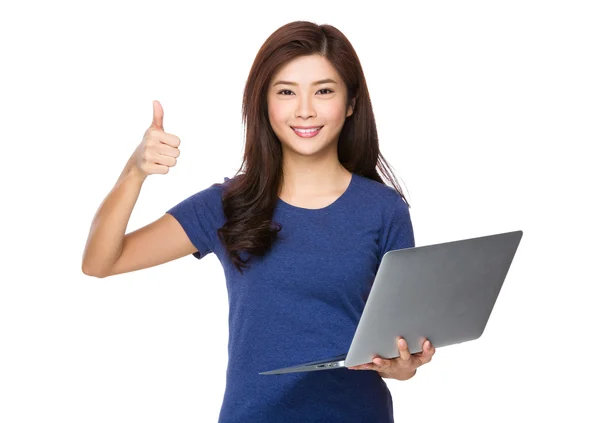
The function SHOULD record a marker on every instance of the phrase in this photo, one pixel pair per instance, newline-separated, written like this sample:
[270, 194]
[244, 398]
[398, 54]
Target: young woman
[300, 232]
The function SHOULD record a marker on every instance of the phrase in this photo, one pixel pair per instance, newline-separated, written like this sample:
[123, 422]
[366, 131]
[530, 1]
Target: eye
[323, 89]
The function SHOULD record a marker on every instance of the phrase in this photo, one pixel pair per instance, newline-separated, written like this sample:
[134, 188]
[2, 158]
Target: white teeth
[306, 131]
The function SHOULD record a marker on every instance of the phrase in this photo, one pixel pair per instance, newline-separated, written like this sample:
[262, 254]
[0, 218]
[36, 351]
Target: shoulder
[392, 211]
[213, 192]
[207, 201]
[382, 195]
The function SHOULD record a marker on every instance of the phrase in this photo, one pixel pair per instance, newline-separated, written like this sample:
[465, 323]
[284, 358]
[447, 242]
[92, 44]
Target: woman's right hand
[158, 150]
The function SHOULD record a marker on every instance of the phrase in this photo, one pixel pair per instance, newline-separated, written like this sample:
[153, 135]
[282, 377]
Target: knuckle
[151, 134]
[155, 140]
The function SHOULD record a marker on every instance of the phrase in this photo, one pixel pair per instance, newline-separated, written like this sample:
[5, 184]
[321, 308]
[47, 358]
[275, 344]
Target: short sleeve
[397, 228]
[197, 215]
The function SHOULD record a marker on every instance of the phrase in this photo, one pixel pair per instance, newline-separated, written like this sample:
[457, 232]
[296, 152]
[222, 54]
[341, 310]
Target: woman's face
[298, 97]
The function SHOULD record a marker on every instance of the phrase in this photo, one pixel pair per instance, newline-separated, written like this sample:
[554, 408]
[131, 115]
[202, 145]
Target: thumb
[157, 119]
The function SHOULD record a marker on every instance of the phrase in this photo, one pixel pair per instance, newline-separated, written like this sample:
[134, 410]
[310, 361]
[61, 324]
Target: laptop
[442, 292]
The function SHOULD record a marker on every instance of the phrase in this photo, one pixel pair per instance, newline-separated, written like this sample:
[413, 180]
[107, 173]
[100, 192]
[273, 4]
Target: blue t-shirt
[301, 302]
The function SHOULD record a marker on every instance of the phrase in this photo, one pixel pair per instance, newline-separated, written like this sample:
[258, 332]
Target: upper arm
[398, 230]
[189, 227]
[159, 242]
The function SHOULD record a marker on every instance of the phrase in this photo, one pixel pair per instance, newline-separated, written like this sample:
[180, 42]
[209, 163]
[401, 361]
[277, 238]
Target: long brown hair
[249, 199]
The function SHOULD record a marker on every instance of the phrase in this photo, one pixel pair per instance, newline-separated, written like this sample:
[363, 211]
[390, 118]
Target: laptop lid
[443, 292]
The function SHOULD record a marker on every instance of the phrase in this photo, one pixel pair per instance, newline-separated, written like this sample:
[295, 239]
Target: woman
[300, 233]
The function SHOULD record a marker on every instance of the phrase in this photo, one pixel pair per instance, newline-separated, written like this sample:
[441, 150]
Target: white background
[487, 111]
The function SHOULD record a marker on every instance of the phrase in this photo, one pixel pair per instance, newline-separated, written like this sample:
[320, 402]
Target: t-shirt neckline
[336, 203]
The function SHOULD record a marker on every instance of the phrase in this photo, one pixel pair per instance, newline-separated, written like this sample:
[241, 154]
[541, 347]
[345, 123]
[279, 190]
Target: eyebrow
[322, 81]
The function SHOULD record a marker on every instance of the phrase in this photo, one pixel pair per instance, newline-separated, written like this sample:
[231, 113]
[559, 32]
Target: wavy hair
[249, 199]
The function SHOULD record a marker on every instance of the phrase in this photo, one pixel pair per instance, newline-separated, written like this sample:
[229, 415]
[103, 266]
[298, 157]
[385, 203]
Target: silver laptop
[443, 292]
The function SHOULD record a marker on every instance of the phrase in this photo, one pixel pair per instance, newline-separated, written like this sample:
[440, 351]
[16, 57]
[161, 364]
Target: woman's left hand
[403, 367]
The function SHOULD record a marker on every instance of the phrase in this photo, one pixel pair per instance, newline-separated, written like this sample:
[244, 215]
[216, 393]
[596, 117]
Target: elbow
[90, 272]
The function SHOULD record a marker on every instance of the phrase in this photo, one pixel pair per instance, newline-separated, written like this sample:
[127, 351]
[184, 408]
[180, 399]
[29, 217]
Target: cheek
[277, 116]
[278, 120]
[336, 113]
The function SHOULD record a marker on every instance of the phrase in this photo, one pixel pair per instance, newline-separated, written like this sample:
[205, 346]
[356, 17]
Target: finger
[157, 118]
[403, 349]
[425, 355]
[361, 367]
[158, 168]
[430, 348]
[367, 366]
[170, 139]
[382, 363]
[167, 150]
[161, 159]
[164, 137]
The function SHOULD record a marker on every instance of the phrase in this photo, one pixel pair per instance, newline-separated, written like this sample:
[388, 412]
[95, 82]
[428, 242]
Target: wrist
[131, 171]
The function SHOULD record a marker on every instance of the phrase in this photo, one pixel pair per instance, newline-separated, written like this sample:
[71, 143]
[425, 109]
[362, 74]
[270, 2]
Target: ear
[351, 107]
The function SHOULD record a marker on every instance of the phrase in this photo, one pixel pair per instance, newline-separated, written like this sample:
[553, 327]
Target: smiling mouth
[308, 133]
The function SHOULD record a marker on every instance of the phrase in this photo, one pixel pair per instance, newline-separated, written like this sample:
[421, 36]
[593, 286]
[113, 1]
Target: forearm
[105, 239]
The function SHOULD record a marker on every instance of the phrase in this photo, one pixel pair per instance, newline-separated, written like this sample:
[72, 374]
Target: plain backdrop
[487, 111]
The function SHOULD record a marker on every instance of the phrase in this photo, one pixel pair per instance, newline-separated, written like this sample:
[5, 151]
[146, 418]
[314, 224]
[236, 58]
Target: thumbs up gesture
[158, 150]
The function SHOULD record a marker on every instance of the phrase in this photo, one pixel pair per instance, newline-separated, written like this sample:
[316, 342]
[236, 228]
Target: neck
[313, 179]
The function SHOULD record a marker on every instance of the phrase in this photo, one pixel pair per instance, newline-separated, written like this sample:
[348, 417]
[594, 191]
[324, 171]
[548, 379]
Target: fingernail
[402, 343]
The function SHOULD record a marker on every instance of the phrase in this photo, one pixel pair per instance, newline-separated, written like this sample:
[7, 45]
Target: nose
[305, 108]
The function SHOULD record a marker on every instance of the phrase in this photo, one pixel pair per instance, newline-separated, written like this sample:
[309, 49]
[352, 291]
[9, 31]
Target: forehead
[305, 70]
